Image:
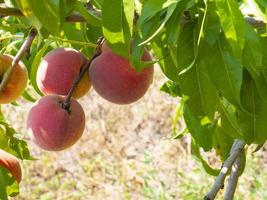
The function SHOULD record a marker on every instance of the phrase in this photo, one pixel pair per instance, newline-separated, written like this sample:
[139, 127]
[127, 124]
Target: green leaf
[172, 88]
[222, 142]
[3, 192]
[173, 25]
[10, 143]
[28, 97]
[200, 130]
[196, 152]
[243, 161]
[184, 54]
[210, 28]
[229, 119]
[151, 8]
[170, 10]
[253, 124]
[252, 50]
[195, 83]
[264, 53]
[113, 23]
[180, 134]
[253, 60]
[67, 6]
[233, 25]
[34, 67]
[8, 185]
[45, 13]
[97, 3]
[89, 17]
[128, 17]
[201, 93]
[258, 147]
[162, 52]
[26, 8]
[176, 117]
[226, 73]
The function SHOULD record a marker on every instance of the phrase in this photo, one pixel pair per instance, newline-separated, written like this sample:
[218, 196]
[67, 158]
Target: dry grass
[125, 153]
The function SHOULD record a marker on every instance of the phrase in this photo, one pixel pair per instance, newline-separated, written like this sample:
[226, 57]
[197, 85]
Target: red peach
[113, 77]
[57, 71]
[54, 128]
[11, 163]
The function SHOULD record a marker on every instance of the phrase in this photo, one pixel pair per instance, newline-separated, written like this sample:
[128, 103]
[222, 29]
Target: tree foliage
[212, 52]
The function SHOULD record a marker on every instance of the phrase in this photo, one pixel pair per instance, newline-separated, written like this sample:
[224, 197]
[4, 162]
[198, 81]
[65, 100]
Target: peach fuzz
[54, 128]
[58, 70]
[113, 77]
[17, 81]
[11, 163]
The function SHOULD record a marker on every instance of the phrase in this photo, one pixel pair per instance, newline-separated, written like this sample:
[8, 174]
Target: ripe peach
[113, 77]
[57, 71]
[54, 128]
[17, 81]
[11, 163]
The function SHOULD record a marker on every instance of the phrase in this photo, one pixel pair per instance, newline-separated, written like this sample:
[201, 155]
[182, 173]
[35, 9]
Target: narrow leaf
[89, 17]
[233, 25]
[112, 16]
[202, 133]
[226, 73]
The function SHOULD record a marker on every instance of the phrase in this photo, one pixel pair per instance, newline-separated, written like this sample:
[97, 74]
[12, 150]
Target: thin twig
[24, 48]
[219, 182]
[6, 11]
[233, 179]
[84, 68]
[75, 17]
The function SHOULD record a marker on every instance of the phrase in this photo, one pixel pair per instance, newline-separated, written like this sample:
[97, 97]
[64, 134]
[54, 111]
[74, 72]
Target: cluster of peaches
[54, 127]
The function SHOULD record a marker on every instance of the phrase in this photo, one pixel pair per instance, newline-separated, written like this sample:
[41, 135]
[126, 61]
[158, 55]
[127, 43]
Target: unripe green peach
[11, 163]
[57, 71]
[17, 81]
[54, 128]
[113, 77]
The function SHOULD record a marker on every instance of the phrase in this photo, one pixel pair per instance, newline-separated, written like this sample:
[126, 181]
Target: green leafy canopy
[214, 58]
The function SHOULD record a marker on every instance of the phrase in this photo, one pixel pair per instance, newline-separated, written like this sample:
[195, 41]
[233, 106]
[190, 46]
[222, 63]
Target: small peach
[17, 81]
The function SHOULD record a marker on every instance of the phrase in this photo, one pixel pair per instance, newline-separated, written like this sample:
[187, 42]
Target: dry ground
[125, 153]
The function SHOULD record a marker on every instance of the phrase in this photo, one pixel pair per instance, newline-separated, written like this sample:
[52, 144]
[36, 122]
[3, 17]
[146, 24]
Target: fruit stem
[84, 68]
[23, 49]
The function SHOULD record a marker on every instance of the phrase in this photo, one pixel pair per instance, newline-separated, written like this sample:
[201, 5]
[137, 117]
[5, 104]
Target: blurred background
[127, 153]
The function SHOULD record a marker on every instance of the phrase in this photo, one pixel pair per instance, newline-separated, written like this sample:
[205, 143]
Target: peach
[54, 128]
[17, 81]
[57, 71]
[11, 163]
[113, 77]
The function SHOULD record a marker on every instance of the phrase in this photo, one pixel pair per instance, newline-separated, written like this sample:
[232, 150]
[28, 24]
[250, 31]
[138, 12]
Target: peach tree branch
[23, 49]
[233, 179]
[84, 69]
[237, 147]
